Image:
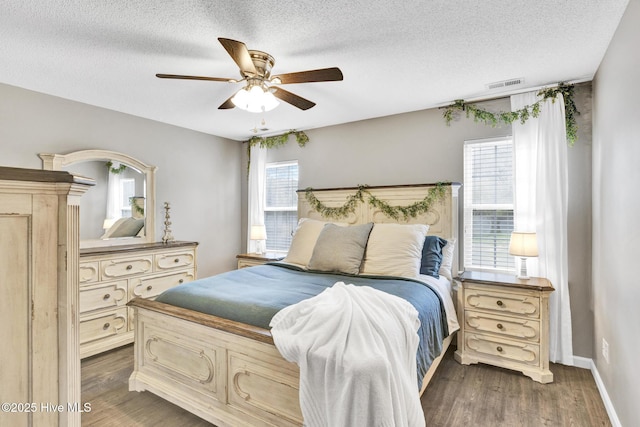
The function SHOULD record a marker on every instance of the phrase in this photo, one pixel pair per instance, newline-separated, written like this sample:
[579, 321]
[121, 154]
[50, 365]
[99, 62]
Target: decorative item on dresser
[111, 276]
[39, 227]
[504, 321]
[249, 260]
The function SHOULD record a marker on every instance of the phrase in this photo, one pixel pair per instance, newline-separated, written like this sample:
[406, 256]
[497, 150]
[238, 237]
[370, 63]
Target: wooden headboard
[442, 216]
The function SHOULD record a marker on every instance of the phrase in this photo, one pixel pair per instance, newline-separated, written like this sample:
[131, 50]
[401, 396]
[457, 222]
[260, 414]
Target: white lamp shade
[258, 232]
[523, 244]
[255, 100]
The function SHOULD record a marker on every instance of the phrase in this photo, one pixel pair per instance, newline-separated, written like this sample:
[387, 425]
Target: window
[127, 191]
[281, 204]
[488, 204]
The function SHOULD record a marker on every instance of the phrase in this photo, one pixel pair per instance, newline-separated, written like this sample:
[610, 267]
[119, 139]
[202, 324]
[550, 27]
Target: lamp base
[523, 269]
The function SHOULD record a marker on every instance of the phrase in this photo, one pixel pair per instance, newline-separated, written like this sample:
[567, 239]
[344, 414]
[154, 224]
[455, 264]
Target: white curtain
[256, 190]
[541, 189]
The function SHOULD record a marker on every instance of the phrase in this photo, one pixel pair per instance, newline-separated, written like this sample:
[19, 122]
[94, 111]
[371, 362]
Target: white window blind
[488, 204]
[281, 204]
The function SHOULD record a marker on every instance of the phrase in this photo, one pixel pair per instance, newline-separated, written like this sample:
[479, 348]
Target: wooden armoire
[39, 253]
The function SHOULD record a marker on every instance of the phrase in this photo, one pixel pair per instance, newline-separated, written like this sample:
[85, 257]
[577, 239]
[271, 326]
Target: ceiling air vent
[505, 83]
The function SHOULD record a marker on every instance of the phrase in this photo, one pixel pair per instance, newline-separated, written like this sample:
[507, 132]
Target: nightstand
[249, 260]
[504, 321]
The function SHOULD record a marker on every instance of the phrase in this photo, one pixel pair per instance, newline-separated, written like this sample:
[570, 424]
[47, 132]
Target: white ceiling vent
[505, 83]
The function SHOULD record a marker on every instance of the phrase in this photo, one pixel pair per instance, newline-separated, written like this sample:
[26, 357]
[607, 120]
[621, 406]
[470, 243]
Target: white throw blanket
[356, 349]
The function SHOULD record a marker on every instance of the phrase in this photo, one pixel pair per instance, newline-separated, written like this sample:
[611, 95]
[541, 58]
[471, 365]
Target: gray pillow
[340, 249]
[129, 228]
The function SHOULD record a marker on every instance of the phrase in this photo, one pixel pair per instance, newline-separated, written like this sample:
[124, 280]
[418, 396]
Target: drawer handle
[176, 260]
[499, 325]
[106, 297]
[149, 287]
[129, 267]
[499, 349]
[106, 326]
[500, 303]
[181, 281]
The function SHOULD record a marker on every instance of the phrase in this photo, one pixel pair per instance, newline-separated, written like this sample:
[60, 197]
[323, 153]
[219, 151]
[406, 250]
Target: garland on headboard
[410, 211]
[523, 114]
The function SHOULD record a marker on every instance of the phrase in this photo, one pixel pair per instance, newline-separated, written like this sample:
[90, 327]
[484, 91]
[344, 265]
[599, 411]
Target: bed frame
[230, 373]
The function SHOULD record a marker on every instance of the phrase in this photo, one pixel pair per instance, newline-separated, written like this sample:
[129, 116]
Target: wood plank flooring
[476, 395]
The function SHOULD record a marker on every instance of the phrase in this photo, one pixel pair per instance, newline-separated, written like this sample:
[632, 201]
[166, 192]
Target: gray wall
[616, 209]
[198, 173]
[419, 147]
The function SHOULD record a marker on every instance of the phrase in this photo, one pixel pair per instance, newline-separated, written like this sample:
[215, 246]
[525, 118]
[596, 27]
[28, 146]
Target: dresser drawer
[502, 302]
[103, 325]
[103, 295]
[123, 267]
[498, 348]
[149, 287]
[89, 272]
[174, 260]
[510, 327]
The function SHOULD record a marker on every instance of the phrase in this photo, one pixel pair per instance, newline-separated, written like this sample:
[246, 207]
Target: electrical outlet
[605, 350]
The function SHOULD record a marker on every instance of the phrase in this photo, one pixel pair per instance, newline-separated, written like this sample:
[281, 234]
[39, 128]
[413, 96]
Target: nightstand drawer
[88, 272]
[479, 298]
[174, 260]
[510, 327]
[103, 295]
[149, 287]
[498, 348]
[124, 267]
[103, 325]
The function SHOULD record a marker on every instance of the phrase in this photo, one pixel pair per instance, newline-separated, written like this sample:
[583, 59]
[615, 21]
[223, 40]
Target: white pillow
[395, 250]
[447, 259]
[304, 240]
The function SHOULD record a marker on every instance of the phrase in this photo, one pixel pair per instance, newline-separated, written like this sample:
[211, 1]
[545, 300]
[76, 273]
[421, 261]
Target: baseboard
[582, 362]
[613, 417]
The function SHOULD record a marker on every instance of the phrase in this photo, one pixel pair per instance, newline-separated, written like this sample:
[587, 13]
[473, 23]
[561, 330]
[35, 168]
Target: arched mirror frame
[59, 161]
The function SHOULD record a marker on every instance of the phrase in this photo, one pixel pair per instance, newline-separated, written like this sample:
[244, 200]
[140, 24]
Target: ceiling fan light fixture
[255, 99]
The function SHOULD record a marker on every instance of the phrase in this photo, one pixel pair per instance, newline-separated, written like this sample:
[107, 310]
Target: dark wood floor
[477, 395]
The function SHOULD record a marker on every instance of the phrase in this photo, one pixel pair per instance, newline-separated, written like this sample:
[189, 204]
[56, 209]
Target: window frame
[470, 207]
[293, 208]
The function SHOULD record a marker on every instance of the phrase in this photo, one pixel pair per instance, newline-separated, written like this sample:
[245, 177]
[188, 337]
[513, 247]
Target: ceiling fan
[261, 87]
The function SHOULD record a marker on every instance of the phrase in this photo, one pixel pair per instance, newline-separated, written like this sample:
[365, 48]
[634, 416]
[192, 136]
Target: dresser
[504, 321]
[111, 276]
[39, 243]
[250, 260]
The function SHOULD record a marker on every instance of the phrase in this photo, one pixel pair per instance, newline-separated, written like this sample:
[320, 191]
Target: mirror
[120, 208]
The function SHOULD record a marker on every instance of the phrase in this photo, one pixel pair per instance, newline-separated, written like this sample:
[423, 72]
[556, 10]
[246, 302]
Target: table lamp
[524, 245]
[259, 234]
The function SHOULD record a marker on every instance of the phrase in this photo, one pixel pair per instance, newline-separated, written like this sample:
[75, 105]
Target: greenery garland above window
[523, 114]
[396, 212]
[278, 140]
[115, 171]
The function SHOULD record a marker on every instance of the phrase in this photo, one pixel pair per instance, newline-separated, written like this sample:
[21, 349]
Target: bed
[226, 369]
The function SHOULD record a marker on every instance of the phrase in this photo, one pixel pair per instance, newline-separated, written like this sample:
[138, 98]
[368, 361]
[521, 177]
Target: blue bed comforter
[254, 295]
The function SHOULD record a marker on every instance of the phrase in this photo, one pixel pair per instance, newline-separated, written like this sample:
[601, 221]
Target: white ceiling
[396, 55]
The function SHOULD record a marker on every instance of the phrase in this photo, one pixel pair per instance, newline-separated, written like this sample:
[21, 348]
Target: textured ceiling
[396, 56]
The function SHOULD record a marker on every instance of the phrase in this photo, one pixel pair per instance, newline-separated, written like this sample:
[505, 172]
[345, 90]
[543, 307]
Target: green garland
[395, 212]
[115, 171]
[523, 114]
[135, 207]
[278, 140]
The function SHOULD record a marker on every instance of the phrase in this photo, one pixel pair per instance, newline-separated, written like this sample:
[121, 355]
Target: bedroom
[190, 162]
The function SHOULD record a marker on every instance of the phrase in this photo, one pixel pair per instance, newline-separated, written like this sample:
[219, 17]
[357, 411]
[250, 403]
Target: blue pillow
[432, 255]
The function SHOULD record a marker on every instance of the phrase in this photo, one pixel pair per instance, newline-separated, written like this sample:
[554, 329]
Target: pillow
[432, 255]
[304, 240]
[395, 250]
[447, 259]
[130, 227]
[340, 249]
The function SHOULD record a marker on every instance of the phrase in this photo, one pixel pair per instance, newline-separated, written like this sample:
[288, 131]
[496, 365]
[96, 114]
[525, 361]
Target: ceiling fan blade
[226, 105]
[240, 54]
[177, 76]
[293, 99]
[322, 75]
